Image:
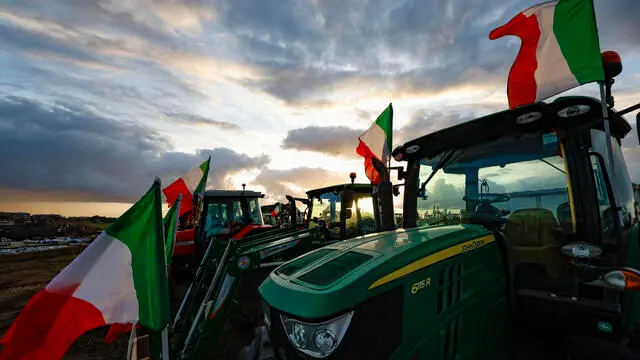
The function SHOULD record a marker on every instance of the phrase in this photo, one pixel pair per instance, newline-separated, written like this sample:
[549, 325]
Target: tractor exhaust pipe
[383, 191]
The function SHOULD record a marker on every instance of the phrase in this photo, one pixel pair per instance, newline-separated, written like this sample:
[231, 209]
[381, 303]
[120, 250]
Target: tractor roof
[497, 125]
[358, 188]
[233, 193]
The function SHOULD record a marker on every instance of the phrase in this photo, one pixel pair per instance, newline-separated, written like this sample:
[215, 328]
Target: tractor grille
[374, 333]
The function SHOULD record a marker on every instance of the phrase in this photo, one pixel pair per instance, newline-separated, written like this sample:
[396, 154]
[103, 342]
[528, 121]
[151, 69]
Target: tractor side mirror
[346, 214]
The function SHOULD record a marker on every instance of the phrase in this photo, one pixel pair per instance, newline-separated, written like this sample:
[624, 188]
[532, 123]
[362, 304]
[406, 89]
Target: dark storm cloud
[332, 140]
[63, 148]
[193, 119]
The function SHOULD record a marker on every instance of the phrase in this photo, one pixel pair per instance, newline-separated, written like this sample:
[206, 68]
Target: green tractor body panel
[350, 268]
[448, 283]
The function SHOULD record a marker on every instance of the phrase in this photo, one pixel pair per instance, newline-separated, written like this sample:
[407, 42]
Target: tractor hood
[335, 278]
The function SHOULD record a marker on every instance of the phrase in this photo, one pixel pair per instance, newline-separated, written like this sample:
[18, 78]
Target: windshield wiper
[444, 162]
[553, 166]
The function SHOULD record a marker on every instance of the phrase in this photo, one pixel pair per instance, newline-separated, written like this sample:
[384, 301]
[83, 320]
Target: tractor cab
[223, 214]
[342, 211]
[542, 262]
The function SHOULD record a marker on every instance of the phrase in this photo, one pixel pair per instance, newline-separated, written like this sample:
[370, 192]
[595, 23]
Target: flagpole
[165, 343]
[132, 349]
[607, 129]
[158, 352]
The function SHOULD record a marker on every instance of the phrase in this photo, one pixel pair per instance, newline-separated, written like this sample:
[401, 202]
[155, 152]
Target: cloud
[331, 140]
[312, 48]
[342, 141]
[61, 148]
[307, 50]
[296, 181]
[197, 120]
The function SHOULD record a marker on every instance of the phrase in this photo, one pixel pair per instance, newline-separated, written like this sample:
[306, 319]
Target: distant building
[12, 218]
[45, 218]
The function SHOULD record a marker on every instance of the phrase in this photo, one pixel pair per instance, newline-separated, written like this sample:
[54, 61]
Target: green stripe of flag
[203, 182]
[385, 122]
[170, 224]
[575, 28]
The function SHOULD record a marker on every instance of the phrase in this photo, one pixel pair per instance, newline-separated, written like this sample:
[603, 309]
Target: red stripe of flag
[176, 188]
[371, 172]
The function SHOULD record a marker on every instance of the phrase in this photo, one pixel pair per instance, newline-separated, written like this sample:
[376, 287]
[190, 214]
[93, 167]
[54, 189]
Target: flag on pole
[376, 143]
[276, 209]
[170, 227]
[189, 185]
[119, 278]
[559, 50]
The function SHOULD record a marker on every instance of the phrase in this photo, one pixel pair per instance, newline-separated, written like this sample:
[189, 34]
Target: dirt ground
[23, 275]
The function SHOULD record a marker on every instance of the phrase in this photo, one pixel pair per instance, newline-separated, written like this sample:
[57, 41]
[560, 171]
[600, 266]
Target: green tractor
[542, 264]
[207, 324]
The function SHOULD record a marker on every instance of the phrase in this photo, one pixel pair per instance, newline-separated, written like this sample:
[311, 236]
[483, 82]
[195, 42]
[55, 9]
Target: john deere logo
[243, 262]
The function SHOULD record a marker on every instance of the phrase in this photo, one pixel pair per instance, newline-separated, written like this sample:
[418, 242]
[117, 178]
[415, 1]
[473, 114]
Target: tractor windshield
[507, 179]
[326, 209]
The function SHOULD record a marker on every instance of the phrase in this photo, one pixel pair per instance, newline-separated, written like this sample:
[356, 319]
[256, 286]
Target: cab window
[217, 219]
[365, 215]
[522, 181]
[254, 212]
[236, 213]
[620, 184]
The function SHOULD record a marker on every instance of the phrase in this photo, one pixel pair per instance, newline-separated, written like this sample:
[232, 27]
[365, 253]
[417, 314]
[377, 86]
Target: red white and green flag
[559, 50]
[170, 227]
[276, 209]
[189, 185]
[120, 277]
[375, 143]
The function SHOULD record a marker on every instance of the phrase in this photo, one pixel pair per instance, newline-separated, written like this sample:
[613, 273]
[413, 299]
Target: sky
[97, 98]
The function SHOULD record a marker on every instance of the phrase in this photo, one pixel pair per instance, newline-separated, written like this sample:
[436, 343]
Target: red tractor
[225, 214]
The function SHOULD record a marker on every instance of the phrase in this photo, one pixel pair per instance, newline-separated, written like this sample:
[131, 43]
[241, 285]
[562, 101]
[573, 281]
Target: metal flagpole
[132, 349]
[165, 343]
[607, 129]
[164, 336]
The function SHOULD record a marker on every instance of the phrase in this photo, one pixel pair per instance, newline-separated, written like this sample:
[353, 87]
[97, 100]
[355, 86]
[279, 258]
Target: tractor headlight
[317, 340]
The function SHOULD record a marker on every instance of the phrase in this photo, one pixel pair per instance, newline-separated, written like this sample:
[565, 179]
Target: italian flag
[119, 278]
[189, 185]
[276, 209]
[375, 143]
[559, 50]
[170, 226]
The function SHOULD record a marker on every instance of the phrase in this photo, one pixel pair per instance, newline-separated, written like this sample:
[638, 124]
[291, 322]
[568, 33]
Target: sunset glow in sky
[98, 97]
